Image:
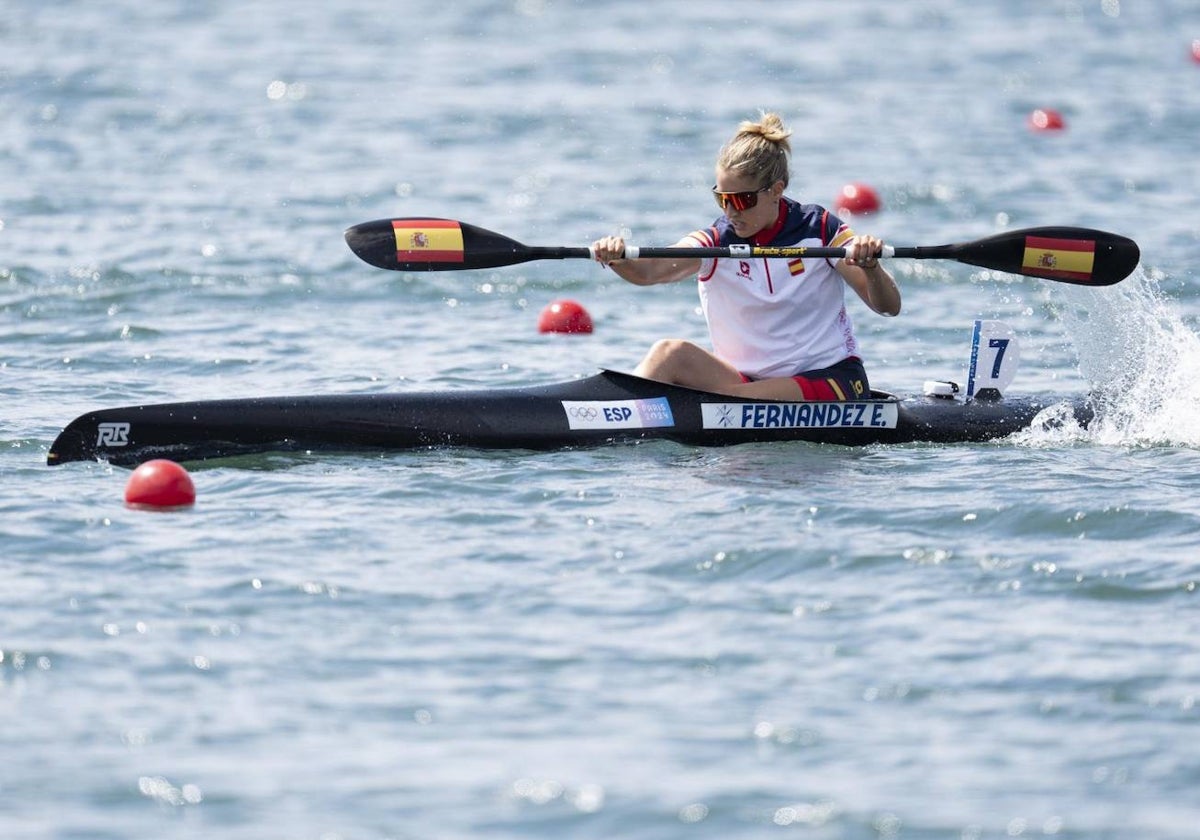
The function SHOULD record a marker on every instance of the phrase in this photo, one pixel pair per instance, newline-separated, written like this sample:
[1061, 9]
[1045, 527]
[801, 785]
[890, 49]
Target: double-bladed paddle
[1081, 256]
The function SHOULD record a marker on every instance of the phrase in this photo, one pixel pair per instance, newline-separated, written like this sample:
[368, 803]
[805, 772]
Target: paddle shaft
[1081, 256]
[634, 252]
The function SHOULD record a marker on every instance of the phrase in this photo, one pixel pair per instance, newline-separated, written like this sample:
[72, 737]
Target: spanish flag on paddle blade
[428, 240]
[1073, 259]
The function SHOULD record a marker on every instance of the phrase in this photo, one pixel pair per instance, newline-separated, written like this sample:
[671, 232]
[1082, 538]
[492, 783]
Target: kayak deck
[608, 407]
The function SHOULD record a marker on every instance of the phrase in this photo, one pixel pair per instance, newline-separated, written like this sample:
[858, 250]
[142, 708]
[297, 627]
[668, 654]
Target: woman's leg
[681, 362]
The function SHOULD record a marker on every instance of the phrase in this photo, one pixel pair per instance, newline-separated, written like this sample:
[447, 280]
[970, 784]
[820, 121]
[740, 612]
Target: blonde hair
[759, 149]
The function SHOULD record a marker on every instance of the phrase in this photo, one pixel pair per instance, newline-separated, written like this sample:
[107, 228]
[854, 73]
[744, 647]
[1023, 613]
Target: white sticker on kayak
[995, 354]
[807, 415]
[618, 414]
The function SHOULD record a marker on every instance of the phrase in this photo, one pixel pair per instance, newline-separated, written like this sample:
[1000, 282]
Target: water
[646, 641]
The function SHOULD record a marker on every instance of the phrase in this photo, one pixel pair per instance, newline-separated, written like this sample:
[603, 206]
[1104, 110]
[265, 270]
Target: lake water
[654, 641]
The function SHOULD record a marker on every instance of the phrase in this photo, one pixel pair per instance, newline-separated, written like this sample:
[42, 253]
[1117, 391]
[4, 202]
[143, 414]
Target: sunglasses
[738, 200]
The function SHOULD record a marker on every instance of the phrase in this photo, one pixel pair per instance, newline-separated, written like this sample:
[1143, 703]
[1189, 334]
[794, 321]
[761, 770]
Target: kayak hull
[609, 407]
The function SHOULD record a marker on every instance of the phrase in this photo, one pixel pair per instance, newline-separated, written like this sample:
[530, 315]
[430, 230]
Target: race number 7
[999, 345]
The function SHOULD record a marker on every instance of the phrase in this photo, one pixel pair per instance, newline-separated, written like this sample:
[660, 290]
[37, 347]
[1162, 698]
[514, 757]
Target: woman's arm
[861, 270]
[610, 252]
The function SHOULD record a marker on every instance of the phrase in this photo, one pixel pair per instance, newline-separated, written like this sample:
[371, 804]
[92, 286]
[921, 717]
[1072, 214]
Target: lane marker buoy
[857, 199]
[1046, 119]
[160, 484]
[564, 316]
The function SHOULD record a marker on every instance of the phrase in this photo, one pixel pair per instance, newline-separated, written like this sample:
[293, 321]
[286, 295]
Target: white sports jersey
[778, 317]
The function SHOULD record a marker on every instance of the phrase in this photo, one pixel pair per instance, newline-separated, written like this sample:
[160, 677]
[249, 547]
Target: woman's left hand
[864, 251]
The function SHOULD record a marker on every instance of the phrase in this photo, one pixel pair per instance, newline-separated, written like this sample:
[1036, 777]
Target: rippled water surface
[644, 641]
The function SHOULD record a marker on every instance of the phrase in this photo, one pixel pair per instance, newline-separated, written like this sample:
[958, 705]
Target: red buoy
[564, 316]
[160, 484]
[1196, 51]
[856, 199]
[1046, 119]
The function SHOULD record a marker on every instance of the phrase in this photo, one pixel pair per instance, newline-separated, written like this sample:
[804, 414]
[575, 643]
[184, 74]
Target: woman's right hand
[608, 249]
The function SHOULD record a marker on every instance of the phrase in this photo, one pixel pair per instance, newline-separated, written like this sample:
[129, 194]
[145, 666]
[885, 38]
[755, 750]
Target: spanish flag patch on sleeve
[428, 240]
[1069, 258]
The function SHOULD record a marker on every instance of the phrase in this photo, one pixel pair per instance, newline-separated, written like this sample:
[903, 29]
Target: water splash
[1141, 360]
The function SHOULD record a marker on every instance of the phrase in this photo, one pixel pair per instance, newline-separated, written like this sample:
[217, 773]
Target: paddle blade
[1081, 256]
[423, 244]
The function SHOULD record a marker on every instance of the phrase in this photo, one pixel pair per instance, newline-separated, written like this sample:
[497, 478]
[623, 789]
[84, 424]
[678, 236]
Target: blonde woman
[779, 328]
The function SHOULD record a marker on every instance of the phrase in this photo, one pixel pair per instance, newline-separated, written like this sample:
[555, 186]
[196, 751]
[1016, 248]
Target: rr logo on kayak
[112, 434]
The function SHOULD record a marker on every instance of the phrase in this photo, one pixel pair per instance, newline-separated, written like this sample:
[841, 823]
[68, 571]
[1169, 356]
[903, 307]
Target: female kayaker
[779, 328]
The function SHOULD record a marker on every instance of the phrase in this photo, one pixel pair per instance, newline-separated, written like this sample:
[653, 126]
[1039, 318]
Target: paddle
[1067, 254]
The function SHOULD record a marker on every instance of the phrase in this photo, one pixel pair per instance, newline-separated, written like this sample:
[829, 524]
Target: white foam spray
[1141, 361]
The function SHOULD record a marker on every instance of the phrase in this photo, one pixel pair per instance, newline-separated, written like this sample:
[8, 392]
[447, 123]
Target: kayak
[605, 408]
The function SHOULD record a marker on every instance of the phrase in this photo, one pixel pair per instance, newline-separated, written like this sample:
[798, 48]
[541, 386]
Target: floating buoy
[160, 484]
[1196, 51]
[1046, 119]
[564, 316]
[857, 199]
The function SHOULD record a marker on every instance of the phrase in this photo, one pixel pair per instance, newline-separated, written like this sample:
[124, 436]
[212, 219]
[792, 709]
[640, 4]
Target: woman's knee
[670, 353]
[667, 358]
[672, 348]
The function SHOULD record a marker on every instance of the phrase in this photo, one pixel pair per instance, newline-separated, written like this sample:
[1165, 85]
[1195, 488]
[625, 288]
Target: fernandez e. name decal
[809, 415]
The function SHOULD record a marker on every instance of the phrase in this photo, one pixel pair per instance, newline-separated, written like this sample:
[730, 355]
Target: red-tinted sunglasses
[739, 200]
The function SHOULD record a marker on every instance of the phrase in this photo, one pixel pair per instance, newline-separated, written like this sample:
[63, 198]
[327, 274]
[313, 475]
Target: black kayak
[609, 407]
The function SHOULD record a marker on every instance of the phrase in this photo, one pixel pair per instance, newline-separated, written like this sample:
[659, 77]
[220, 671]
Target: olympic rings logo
[581, 412]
